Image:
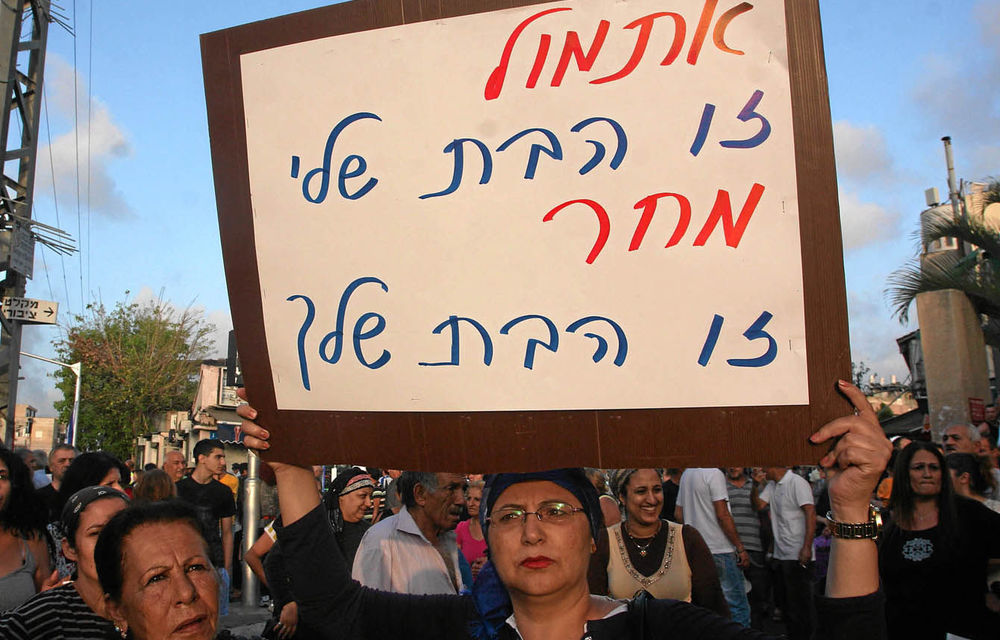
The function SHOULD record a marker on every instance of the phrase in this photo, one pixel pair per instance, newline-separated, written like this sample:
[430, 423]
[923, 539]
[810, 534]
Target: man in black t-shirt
[60, 458]
[215, 506]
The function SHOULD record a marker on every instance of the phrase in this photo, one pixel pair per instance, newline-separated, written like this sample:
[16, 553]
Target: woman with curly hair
[24, 557]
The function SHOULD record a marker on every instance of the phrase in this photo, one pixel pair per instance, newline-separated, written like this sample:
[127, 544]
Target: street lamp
[76, 368]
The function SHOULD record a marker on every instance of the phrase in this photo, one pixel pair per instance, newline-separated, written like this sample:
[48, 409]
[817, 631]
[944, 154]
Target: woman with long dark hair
[934, 552]
[24, 558]
[971, 478]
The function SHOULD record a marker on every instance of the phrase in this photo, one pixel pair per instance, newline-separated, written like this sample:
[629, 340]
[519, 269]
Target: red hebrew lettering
[723, 210]
[648, 206]
[701, 31]
[495, 82]
[573, 49]
[543, 52]
[719, 34]
[645, 25]
[604, 224]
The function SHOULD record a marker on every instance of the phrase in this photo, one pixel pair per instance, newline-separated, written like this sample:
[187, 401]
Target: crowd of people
[91, 548]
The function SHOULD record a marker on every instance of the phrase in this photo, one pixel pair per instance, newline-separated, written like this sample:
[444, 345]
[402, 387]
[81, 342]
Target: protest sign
[482, 236]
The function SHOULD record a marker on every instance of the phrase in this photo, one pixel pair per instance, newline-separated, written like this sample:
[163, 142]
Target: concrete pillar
[954, 357]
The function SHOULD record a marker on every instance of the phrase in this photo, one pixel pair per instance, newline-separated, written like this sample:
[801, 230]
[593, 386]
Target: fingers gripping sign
[857, 457]
[255, 436]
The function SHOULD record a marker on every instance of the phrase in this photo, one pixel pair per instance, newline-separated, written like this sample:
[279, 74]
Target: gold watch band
[857, 530]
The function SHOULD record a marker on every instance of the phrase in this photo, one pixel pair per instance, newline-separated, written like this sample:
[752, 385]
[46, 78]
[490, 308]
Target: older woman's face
[473, 496]
[169, 587]
[538, 558]
[925, 474]
[92, 521]
[644, 497]
[354, 505]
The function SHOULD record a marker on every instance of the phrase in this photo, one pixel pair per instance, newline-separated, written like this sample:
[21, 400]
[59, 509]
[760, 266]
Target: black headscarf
[347, 481]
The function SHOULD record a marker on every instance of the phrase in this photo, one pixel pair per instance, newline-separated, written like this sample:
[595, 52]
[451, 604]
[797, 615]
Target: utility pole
[957, 210]
[24, 27]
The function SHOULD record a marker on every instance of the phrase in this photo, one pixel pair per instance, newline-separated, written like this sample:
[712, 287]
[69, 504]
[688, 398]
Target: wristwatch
[858, 530]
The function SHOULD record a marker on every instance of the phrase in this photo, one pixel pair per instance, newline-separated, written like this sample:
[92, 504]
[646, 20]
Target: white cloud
[96, 143]
[865, 223]
[873, 339]
[218, 341]
[861, 151]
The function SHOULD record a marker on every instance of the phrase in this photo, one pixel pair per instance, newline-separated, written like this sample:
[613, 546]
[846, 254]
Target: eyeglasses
[550, 513]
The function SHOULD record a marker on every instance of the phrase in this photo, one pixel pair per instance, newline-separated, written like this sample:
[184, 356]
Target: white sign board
[29, 310]
[576, 205]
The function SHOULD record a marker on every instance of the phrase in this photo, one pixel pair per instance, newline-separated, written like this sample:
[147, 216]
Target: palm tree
[977, 274]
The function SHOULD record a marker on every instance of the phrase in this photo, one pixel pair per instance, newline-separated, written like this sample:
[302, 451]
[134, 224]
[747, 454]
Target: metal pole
[957, 211]
[251, 516]
[14, 346]
[77, 368]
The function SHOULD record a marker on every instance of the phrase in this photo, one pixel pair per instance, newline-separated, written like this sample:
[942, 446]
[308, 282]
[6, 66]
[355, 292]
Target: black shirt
[213, 501]
[935, 584]
[50, 497]
[670, 489]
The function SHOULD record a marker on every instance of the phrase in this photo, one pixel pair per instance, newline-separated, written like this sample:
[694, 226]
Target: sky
[128, 171]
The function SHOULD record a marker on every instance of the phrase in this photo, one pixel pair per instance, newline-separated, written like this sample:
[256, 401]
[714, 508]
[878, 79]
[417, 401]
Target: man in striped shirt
[742, 491]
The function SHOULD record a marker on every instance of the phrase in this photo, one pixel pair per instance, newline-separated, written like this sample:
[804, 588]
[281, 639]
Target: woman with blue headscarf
[540, 530]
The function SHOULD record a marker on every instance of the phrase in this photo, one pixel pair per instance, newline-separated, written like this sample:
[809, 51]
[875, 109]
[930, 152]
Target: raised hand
[856, 461]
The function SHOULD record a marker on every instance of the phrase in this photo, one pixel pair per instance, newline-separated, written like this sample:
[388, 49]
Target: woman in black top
[347, 500]
[934, 553]
[540, 528]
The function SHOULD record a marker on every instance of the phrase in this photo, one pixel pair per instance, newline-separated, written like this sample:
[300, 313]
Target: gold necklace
[643, 549]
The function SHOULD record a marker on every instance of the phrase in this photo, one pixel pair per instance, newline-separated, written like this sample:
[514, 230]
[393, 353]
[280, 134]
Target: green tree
[138, 359]
[860, 376]
[976, 274]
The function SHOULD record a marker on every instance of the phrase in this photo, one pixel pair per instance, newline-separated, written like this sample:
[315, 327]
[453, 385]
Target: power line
[55, 195]
[90, 112]
[76, 135]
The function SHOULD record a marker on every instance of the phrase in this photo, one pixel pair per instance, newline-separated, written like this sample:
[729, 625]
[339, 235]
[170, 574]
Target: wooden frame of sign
[522, 440]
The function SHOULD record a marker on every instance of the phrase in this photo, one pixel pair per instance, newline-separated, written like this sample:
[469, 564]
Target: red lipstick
[537, 562]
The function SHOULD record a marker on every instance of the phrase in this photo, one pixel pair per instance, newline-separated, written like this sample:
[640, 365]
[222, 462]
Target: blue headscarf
[489, 594]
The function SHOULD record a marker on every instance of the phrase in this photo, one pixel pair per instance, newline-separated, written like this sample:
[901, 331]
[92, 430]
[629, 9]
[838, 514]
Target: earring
[122, 630]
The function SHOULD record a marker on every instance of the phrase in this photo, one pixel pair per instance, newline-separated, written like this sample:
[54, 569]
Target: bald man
[174, 464]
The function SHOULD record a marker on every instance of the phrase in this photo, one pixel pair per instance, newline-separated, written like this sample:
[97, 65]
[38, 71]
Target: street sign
[29, 310]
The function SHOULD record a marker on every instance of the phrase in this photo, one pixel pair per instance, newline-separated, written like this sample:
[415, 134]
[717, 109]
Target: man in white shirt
[415, 551]
[703, 502]
[793, 520]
